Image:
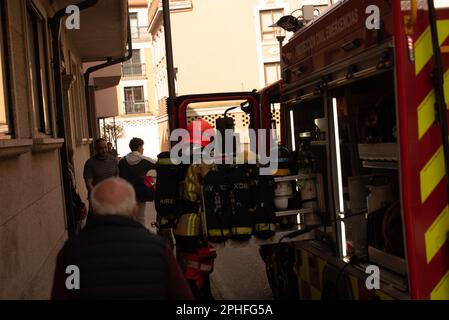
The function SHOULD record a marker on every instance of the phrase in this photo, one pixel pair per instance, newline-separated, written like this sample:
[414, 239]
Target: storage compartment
[305, 204]
[347, 131]
[365, 171]
[308, 143]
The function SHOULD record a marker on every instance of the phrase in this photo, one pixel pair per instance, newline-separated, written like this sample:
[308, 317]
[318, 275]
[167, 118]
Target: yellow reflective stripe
[423, 46]
[441, 291]
[426, 110]
[445, 49]
[265, 227]
[426, 114]
[355, 288]
[194, 224]
[315, 293]
[435, 236]
[188, 225]
[304, 271]
[321, 265]
[242, 230]
[192, 187]
[164, 161]
[432, 174]
[219, 232]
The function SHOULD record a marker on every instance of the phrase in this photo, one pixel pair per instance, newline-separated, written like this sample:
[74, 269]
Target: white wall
[142, 15]
[141, 127]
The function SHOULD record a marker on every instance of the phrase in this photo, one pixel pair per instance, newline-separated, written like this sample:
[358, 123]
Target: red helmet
[196, 130]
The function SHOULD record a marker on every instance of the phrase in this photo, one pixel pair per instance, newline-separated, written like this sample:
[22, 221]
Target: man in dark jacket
[134, 166]
[97, 168]
[116, 257]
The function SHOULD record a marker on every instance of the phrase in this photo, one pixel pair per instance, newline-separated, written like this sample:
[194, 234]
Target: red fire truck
[377, 92]
[363, 111]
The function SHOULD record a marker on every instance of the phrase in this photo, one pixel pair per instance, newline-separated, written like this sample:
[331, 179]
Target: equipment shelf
[318, 143]
[297, 177]
[294, 212]
[392, 165]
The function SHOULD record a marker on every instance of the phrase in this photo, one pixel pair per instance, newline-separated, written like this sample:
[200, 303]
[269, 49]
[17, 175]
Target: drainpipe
[110, 62]
[55, 25]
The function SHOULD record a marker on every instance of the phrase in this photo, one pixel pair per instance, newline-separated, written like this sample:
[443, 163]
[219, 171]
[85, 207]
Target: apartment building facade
[43, 111]
[135, 110]
[219, 46]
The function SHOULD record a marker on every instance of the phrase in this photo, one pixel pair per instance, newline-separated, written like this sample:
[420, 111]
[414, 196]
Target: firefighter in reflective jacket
[195, 255]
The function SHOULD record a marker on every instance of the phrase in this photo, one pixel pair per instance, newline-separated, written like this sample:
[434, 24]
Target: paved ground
[239, 273]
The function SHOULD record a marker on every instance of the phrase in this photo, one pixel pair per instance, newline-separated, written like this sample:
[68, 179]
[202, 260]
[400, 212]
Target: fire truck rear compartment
[361, 176]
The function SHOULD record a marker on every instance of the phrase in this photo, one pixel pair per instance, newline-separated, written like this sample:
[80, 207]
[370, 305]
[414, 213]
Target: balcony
[133, 70]
[134, 107]
[140, 33]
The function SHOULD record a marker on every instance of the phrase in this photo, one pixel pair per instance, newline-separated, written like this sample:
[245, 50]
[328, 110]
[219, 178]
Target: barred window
[135, 100]
[134, 66]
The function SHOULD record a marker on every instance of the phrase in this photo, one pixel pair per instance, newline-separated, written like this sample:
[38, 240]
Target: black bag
[167, 191]
[240, 202]
[264, 217]
[217, 205]
[145, 188]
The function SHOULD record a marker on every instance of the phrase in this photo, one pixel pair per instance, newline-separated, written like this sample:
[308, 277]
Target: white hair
[114, 196]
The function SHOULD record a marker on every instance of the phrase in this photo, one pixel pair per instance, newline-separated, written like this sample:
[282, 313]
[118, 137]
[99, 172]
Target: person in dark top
[195, 255]
[98, 168]
[133, 166]
[112, 151]
[116, 257]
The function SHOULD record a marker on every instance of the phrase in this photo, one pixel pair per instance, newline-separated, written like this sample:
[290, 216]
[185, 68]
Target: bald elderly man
[115, 257]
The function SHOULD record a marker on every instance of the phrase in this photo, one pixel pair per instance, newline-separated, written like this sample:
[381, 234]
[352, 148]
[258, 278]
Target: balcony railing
[133, 69]
[140, 33]
[132, 107]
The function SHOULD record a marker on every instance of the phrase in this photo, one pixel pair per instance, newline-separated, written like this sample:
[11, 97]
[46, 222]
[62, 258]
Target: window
[138, 31]
[134, 100]
[6, 122]
[268, 18]
[136, 57]
[134, 66]
[134, 25]
[272, 72]
[38, 66]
